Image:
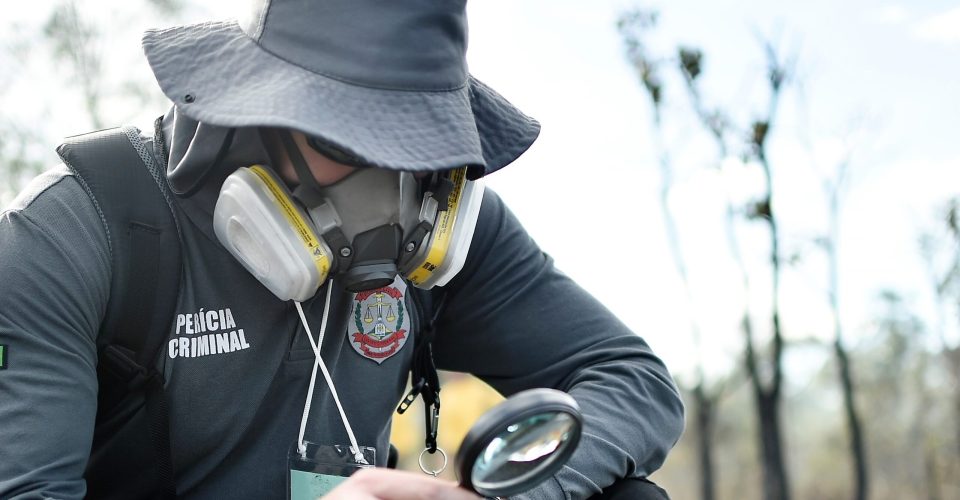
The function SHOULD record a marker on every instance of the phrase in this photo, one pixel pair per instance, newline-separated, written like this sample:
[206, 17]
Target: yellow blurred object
[463, 398]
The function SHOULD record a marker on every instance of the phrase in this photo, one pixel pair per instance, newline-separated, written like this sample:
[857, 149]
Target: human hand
[388, 484]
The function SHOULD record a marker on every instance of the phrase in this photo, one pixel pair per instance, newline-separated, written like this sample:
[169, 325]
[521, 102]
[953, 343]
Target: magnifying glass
[519, 443]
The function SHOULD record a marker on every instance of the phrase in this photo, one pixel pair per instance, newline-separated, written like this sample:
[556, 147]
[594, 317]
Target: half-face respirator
[366, 228]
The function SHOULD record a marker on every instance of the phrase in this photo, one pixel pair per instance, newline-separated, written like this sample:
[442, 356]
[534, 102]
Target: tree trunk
[775, 485]
[952, 355]
[857, 446]
[956, 401]
[931, 475]
[704, 411]
[858, 454]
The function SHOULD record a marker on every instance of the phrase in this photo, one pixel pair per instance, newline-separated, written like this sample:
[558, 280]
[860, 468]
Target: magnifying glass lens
[522, 450]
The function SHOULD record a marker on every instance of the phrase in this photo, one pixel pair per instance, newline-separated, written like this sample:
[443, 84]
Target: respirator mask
[366, 228]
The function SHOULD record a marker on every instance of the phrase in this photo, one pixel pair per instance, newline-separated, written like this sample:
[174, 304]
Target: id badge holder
[321, 468]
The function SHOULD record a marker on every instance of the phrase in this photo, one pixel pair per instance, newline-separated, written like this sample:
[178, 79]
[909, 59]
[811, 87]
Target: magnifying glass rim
[516, 409]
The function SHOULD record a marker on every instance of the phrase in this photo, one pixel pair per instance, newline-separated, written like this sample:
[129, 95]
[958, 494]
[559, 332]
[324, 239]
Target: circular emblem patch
[380, 323]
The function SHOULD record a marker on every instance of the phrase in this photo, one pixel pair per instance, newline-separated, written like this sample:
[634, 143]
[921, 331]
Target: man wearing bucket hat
[322, 164]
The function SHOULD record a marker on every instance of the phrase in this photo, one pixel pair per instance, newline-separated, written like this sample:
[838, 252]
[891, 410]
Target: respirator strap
[309, 192]
[308, 184]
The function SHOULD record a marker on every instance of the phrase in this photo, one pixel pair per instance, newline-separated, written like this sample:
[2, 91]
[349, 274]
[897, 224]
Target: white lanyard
[301, 446]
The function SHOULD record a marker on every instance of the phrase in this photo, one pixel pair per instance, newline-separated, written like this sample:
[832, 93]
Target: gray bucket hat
[384, 80]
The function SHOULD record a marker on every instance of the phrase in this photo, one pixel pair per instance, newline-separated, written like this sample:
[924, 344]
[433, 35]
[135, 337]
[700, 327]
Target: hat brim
[214, 73]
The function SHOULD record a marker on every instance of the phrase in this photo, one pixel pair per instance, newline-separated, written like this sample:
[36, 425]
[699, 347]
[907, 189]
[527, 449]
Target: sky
[875, 80]
[872, 75]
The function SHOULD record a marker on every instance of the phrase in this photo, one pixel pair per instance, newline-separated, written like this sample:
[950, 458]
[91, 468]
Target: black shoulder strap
[133, 201]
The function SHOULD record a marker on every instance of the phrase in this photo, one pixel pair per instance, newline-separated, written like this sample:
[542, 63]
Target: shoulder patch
[380, 325]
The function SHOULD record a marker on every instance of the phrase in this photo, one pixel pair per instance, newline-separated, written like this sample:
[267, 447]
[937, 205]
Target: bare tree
[858, 453]
[76, 42]
[77, 46]
[706, 394]
[633, 26]
[767, 390]
[767, 393]
[942, 257]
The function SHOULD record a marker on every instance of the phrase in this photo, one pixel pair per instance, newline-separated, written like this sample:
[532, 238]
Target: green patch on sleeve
[3, 357]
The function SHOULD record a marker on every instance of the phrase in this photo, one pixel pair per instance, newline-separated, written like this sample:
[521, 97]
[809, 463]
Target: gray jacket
[237, 362]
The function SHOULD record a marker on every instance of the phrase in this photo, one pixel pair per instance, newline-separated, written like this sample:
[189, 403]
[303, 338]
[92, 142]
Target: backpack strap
[133, 200]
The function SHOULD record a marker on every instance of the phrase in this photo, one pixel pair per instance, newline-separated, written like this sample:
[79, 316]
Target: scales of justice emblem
[380, 323]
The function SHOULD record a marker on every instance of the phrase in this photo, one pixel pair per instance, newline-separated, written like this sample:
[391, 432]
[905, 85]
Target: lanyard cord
[301, 446]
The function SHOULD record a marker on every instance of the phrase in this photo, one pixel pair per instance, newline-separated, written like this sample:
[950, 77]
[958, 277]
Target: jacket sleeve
[54, 284]
[515, 321]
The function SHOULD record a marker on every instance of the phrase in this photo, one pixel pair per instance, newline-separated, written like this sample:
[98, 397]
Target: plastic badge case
[322, 468]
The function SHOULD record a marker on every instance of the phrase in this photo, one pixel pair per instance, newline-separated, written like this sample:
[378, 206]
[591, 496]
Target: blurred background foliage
[876, 415]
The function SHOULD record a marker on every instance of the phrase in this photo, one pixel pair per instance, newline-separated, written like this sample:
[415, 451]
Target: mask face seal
[372, 208]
